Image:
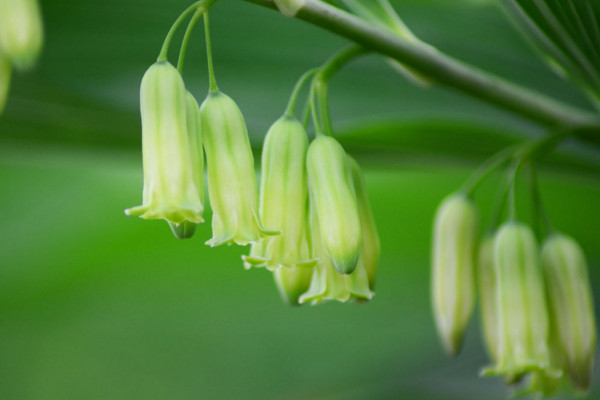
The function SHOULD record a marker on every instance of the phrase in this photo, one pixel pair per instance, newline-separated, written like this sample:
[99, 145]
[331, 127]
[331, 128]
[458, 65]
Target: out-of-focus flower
[332, 194]
[453, 262]
[488, 295]
[5, 72]
[371, 247]
[523, 315]
[170, 192]
[284, 200]
[231, 178]
[21, 32]
[571, 307]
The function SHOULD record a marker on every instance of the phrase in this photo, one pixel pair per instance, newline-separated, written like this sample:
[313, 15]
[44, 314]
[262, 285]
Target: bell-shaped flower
[488, 295]
[371, 247]
[523, 314]
[327, 283]
[332, 194]
[170, 191]
[21, 32]
[283, 199]
[293, 282]
[455, 235]
[571, 307]
[5, 72]
[231, 179]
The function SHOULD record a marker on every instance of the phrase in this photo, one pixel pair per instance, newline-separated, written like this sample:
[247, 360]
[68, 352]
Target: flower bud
[523, 315]
[289, 8]
[170, 191]
[571, 307]
[332, 193]
[5, 72]
[488, 295]
[283, 199]
[371, 247]
[21, 32]
[454, 245]
[327, 283]
[231, 179]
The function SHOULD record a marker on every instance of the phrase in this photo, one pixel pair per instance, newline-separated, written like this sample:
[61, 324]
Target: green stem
[211, 72]
[290, 109]
[186, 39]
[487, 168]
[513, 190]
[162, 56]
[542, 221]
[442, 68]
[500, 203]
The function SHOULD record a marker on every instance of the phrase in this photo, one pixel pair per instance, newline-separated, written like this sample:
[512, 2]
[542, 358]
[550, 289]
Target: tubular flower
[454, 246]
[523, 315]
[231, 178]
[283, 199]
[488, 295]
[571, 307]
[293, 282]
[327, 283]
[170, 192]
[371, 247]
[332, 194]
[21, 32]
[194, 134]
[5, 72]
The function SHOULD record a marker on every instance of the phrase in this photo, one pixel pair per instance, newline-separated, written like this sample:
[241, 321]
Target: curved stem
[162, 56]
[442, 68]
[290, 109]
[487, 168]
[211, 72]
[513, 190]
[186, 39]
[542, 221]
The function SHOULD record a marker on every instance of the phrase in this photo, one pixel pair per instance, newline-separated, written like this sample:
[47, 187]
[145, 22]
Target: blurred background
[95, 305]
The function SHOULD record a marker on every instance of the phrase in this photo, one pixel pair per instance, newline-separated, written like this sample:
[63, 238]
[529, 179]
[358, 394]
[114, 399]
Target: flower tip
[184, 230]
[345, 265]
[254, 261]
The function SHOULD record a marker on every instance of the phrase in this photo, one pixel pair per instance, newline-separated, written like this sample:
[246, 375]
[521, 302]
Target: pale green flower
[523, 315]
[283, 199]
[453, 261]
[231, 178]
[371, 247]
[332, 195]
[293, 282]
[571, 307]
[21, 32]
[488, 296]
[170, 192]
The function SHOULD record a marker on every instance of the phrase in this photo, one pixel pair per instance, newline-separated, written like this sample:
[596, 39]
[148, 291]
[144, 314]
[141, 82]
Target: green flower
[283, 199]
[488, 295]
[371, 247]
[571, 307]
[293, 282]
[332, 194]
[231, 178]
[523, 315]
[453, 261]
[170, 191]
[5, 72]
[327, 283]
[21, 32]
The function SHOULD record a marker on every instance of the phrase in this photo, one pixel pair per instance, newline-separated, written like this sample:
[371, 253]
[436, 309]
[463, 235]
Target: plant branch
[443, 69]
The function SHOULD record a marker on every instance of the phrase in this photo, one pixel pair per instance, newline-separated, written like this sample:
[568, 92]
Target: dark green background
[94, 305]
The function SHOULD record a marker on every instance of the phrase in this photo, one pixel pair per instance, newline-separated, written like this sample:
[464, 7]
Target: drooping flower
[283, 200]
[170, 192]
[523, 314]
[371, 247]
[21, 32]
[231, 178]
[571, 307]
[488, 295]
[333, 197]
[293, 282]
[453, 262]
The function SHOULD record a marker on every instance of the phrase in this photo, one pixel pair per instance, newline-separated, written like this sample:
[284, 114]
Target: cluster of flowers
[312, 225]
[537, 307]
[21, 38]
